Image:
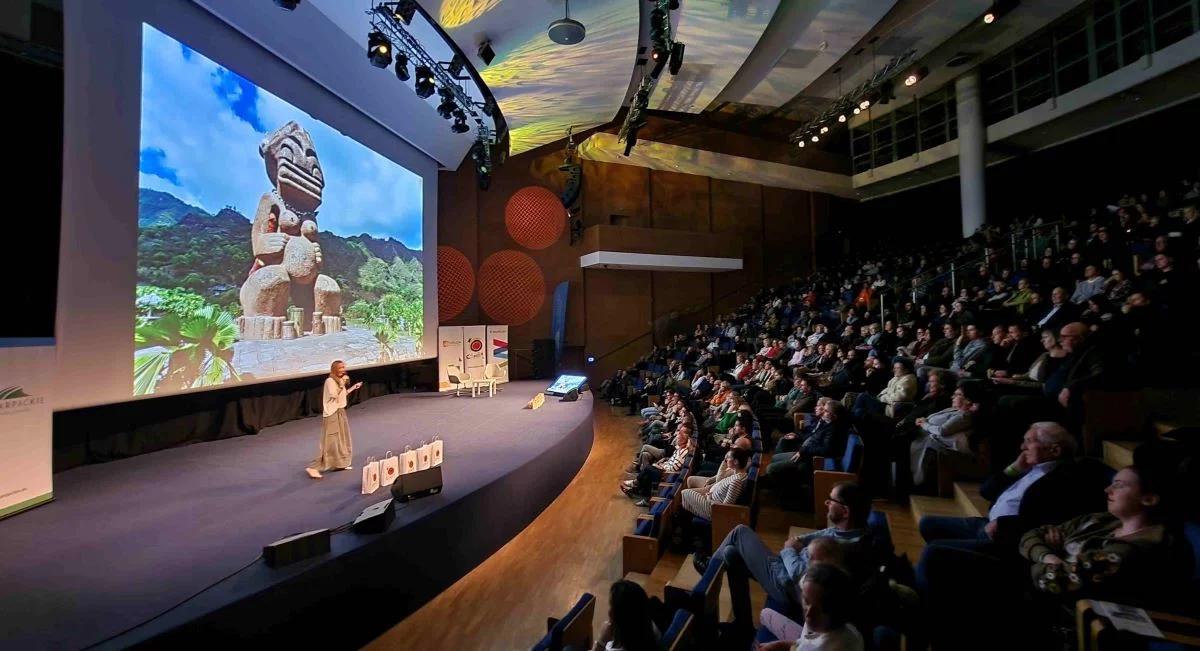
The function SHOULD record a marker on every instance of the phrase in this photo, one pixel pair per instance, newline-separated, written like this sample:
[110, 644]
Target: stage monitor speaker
[570, 396]
[297, 547]
[418, 484]
[375, 518]
[543, 359]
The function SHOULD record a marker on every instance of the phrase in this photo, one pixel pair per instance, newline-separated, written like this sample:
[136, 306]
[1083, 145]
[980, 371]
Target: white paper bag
[424, 455]
[370, 476]
[408, 461]
[435, 452]
[389, 469]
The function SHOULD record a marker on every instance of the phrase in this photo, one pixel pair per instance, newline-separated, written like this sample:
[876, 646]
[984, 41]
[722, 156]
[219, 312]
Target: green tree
[185, 352]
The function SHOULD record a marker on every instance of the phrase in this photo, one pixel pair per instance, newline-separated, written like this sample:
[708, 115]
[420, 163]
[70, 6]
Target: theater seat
[574, 629]
[828, 472]
[678, 635]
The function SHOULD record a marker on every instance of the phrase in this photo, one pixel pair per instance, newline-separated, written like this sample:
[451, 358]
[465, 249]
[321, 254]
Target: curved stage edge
[125, 540]
[369, 583]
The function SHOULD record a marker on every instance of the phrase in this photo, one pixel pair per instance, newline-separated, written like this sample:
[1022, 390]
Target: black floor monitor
[565, 383]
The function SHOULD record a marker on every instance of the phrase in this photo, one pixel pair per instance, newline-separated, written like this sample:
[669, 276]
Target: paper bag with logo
[389, 469]
[435, 451]
[370, 476]
[408, 461]
[423, 456]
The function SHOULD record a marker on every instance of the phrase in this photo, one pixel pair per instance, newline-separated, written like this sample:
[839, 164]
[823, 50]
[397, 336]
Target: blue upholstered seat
[552, 641]
[851, 457]
[675, 629]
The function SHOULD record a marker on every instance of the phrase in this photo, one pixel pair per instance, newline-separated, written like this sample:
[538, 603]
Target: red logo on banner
[476, 345]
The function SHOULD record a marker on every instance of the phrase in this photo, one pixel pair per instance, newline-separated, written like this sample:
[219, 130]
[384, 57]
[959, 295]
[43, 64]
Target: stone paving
[355, 346]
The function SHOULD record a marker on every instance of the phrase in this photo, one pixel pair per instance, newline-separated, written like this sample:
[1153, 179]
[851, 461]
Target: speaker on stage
[570, 396]
[543, 358]
[375, 518]
[418, 484]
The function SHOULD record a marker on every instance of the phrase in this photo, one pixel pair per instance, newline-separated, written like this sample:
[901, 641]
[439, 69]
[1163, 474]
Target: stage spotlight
[486, 53]
[460, 124]
[863, 105]
[290, 5]
[916, 76]
[455, 67]
[998, 9]
[824, 130]
[447, 106]
[424, 84]
[857, 110]
[842, 117]
[658, 55]
[379, 50]
[801, 144]
[816, 139]
[673, 5]
[403, 11]
[402, 66]
[676, 57]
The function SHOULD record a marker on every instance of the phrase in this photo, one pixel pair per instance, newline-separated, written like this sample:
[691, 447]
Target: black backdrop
[108, 432]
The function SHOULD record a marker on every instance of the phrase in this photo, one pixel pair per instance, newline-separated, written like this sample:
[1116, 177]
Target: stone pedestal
[289, 330]
[332, 324]
[296, 316]
[260, 327]
[318, 324]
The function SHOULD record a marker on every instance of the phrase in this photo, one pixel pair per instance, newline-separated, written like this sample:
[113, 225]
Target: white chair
[459, 379]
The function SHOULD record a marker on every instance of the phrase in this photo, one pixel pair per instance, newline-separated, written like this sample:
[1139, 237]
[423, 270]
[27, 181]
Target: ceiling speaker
[566, 31]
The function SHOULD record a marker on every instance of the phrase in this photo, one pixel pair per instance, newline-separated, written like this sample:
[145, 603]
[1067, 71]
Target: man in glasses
[746, 556]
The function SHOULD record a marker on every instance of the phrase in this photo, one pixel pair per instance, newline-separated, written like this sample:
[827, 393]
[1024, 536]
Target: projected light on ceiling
[719, 35]
[543, 87]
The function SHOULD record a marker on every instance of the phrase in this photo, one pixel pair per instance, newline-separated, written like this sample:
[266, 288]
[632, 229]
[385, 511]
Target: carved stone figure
[287, 257]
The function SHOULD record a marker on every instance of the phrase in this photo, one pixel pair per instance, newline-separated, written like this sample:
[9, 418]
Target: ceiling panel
[543, 87]
[719, 35]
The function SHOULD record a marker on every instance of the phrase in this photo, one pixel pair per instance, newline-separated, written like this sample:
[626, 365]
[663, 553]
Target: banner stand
[26, 424]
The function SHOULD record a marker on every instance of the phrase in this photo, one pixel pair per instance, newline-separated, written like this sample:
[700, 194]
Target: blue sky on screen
[201, 126]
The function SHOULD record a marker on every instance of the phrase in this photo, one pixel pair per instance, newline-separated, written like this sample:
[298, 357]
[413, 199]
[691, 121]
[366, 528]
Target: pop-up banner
[497, 350]
[474, 349]
[450, 353]
[26, 422]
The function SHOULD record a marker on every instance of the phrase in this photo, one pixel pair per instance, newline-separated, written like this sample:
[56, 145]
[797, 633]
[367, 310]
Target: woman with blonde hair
[336, 449]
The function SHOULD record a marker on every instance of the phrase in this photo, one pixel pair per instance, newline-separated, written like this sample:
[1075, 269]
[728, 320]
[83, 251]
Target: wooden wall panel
[680, 298]
[457, 197]
[737, 208]
[679, 201]
[610, 189]
[618, 308]
[783, 246]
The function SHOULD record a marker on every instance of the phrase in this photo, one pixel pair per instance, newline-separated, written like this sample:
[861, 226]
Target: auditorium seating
[829, 472]
[679, 636]
[574, 629]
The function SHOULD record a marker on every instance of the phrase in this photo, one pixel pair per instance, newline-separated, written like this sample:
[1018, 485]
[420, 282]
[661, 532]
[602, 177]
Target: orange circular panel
[534, 217]
[456, 282]
[511, 287]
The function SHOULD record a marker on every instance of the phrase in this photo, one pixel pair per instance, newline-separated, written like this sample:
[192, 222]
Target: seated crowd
[984, 383]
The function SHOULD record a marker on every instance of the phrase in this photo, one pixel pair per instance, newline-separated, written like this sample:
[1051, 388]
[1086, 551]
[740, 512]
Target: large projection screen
[224, 219]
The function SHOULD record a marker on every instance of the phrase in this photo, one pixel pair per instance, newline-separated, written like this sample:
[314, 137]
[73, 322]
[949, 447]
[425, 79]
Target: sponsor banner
[450, 353]
[475, 349]
[26, 380]
[497, 350]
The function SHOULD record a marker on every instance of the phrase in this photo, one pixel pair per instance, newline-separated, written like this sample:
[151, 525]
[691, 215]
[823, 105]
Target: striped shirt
[674, 462]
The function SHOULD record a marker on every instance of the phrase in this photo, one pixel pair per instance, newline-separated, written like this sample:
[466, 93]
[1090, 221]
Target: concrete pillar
[972, 151]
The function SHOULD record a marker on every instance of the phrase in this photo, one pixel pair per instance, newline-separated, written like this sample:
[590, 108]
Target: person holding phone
[336, 449]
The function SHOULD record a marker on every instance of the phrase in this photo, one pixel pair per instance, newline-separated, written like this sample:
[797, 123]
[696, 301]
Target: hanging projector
[566, 31]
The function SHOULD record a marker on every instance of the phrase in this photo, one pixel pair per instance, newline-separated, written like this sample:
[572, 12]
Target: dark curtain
[109, 432]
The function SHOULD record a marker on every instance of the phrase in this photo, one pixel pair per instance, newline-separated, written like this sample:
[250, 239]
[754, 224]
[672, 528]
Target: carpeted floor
[125, 540]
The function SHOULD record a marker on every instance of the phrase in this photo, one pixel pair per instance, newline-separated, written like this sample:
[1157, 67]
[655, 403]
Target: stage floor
[126, 540]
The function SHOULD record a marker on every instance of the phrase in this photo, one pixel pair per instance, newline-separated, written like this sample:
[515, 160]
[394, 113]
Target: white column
[972, 151]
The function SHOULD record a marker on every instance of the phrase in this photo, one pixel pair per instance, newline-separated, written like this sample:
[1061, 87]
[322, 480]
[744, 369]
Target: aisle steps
[966, 494]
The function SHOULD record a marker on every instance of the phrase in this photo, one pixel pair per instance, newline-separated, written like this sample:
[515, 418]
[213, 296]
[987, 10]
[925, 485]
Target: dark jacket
[1018, 357]
[941, 354]
[827, 440]
[1070, 489]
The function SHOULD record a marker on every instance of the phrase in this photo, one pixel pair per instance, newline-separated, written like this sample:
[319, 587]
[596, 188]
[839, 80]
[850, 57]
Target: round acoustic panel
[511, 287]
[534, 217]
[456, 282]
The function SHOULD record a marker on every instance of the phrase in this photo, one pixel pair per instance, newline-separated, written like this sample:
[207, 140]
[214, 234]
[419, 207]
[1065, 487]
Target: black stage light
[676, 57]
[460, 123]
[486, 53]
[379, 49]
[290, 5]
[404, 10]
[887, 92]
[673, 5]
[424, 83]
[913, 78]
[659, 25]
[447, 107]
[402, 66]
[455, 67]
[659, 54]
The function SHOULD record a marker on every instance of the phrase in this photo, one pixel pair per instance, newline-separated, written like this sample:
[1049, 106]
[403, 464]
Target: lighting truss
[847, 103]
[635, 119]
[384, 20]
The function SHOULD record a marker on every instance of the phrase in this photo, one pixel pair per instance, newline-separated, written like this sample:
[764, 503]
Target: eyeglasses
[834, 500]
